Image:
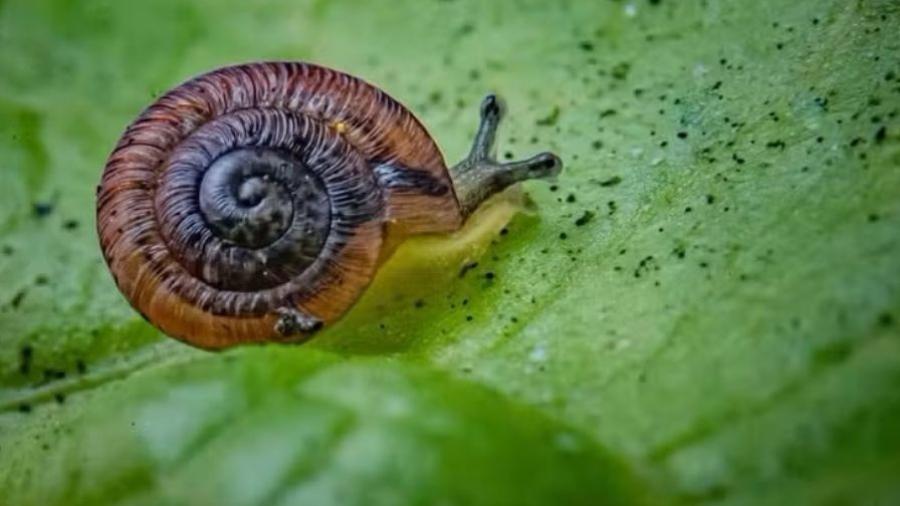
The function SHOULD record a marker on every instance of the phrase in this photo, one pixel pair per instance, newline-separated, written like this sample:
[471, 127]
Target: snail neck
[479, 176]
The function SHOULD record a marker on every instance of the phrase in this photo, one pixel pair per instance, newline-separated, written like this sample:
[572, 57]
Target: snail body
[256, 202]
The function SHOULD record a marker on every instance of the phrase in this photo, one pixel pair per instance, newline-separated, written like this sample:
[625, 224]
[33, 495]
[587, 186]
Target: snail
[255, 202]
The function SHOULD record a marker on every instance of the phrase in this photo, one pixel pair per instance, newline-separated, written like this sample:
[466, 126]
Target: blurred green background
[704, 309]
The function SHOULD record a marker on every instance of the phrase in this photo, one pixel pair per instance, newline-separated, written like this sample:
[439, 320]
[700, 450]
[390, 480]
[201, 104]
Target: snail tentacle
[479, 175]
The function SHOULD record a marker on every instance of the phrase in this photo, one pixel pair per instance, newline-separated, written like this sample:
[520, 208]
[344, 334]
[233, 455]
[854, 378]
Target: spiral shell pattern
[258, 189]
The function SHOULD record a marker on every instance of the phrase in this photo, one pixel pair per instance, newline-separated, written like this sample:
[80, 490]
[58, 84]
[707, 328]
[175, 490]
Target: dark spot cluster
[27, 367]
[729, 132]
[645, 266]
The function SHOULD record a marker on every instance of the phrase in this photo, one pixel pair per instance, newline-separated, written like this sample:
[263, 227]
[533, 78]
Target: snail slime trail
[250, 204]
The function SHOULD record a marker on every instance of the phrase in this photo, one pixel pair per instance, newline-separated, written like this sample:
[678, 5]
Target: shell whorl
[253, 189]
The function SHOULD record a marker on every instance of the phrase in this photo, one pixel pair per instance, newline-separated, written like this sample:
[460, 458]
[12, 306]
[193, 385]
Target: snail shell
[255, 202]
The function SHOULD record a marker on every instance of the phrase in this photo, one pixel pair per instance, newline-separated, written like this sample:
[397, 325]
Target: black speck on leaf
[881, 134]
[833, 353]
[550, 119]
[54, 374]
[621, 70]
[17, 299]
[607, 113]
[468, 266]
[465, 29]
[613, 181]
[42, 209]
[585, 218]
[25, 356]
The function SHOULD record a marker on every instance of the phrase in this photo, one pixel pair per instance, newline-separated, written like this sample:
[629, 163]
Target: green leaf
[281, 426]
[705, 308]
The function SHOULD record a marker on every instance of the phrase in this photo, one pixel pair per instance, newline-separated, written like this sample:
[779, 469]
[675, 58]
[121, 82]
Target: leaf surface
[704, 308]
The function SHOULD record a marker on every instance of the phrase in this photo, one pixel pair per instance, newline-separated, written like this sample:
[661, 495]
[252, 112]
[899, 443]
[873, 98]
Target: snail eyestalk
[479, 175]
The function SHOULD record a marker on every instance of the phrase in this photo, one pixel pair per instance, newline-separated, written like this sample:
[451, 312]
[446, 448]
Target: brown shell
[337, 113]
